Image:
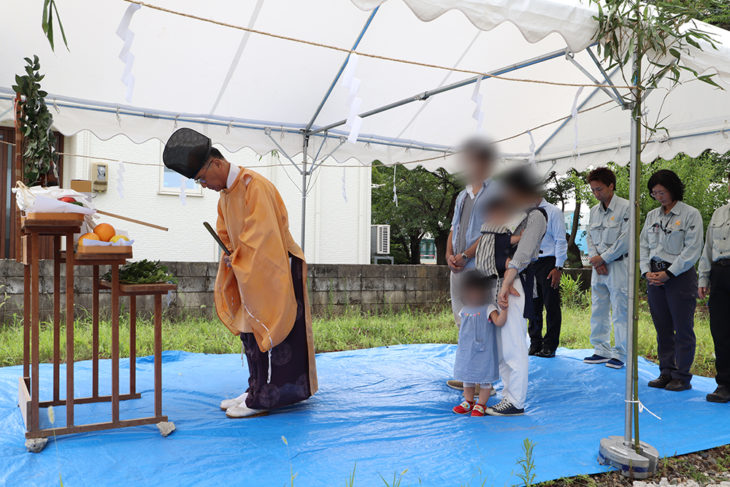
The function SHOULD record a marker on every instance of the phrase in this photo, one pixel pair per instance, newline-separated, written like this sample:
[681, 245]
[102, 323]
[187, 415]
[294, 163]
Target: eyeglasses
[200, 179]
[658, 194]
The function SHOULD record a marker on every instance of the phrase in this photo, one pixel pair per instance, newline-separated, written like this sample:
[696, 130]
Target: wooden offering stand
[59, 225]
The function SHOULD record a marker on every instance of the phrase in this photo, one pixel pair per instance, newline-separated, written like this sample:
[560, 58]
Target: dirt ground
[705, 468]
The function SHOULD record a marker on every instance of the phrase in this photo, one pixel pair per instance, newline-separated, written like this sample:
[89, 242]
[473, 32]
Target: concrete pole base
[615, 453]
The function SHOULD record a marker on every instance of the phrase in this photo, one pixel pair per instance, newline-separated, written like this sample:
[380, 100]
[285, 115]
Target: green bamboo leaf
[46, 10]
[60, 25]
[49, 34]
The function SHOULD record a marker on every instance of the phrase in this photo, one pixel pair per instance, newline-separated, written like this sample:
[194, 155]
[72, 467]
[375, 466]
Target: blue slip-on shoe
[596, 359]
[615, 363]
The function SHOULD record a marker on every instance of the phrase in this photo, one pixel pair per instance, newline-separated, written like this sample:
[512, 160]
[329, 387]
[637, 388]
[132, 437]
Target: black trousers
[289, 360]
[720, 321]
[672, 308]
[548, 297]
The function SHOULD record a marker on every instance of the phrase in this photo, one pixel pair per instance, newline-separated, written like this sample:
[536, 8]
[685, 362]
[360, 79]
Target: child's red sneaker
[478, 410]
[464, 408]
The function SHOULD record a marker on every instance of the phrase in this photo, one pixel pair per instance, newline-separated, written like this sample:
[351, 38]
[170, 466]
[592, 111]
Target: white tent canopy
[251, 90]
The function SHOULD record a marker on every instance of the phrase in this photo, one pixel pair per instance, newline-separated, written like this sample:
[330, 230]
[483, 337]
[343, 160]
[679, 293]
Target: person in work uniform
[671, 244]
[260, 289]
[608, 246]
[714, 280]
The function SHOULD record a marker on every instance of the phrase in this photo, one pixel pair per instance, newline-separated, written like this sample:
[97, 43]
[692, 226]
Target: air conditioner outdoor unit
[380, 239]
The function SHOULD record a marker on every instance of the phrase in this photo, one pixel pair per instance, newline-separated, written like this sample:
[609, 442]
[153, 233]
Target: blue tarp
[385, 409]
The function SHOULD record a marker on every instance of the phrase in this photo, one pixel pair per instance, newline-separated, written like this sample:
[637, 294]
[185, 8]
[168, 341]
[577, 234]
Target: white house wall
[338, 231]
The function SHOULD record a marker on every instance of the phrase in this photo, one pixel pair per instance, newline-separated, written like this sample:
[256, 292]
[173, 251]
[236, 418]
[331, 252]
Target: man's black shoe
[661, 381]
[534, 350]
[545, 353]
[721, 394]
[677, 385]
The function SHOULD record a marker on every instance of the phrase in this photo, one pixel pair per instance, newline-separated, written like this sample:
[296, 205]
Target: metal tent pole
[633, 284]
[305, 147]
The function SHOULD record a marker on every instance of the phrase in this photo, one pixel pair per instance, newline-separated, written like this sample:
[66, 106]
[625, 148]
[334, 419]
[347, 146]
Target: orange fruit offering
[104, 231]
[88, 236]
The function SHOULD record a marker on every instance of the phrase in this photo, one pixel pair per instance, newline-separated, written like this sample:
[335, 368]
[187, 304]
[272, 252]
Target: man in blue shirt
[548, 270]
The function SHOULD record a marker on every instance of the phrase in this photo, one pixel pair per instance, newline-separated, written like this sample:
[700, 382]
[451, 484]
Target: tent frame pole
[617, 98]
[633, 284]
[281, 149]
[305, 148]
[606, 76]
[568, 120]
[341, 70]
[427, 94]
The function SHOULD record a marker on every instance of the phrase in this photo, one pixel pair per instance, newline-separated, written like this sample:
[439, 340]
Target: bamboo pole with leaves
[649, 41]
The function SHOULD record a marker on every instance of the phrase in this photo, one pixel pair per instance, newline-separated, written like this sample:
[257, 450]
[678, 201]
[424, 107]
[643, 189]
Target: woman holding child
[495, 314]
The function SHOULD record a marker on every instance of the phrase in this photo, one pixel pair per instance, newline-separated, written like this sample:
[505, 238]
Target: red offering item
[67, 199]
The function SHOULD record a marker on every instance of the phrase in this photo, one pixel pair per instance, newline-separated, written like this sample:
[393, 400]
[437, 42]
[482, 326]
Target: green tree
[425, 206]
[571, 187]
[716, 12]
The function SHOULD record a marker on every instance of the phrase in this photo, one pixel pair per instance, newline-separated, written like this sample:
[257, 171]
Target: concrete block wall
[377, 288]
[332, 289]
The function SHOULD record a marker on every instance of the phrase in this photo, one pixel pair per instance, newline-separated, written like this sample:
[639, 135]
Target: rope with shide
[370, 55]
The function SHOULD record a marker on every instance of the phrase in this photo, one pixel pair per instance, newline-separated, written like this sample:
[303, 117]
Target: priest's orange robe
[256, 294]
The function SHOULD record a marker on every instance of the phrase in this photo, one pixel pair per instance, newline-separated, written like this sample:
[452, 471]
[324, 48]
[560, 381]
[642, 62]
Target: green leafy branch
[142, 272]
[39, 153]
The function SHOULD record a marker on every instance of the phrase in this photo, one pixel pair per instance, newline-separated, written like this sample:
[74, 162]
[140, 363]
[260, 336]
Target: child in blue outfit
[476, 359]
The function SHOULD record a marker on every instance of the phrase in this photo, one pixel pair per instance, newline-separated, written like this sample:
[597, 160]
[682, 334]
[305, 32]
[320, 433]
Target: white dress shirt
[554, 243]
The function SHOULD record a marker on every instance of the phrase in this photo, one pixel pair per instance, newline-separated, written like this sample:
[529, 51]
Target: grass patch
[331, 333]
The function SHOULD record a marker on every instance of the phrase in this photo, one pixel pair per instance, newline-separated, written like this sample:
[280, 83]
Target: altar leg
[132, 343]
[69, 329]
[115, 343]
[95, 332]
[35, 329]
[27, 303]
[56, 317]
[158, 355]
